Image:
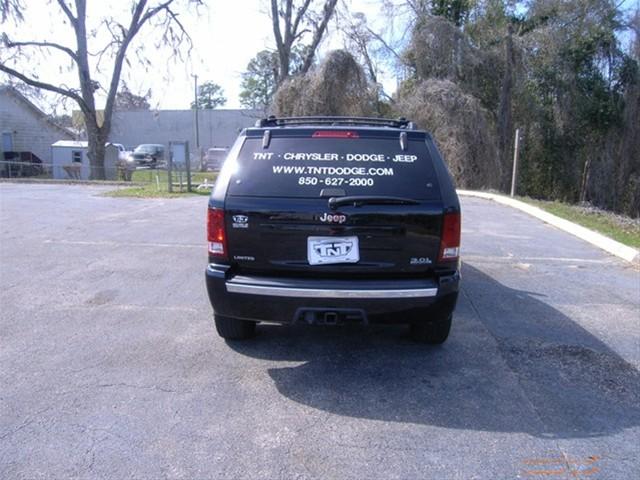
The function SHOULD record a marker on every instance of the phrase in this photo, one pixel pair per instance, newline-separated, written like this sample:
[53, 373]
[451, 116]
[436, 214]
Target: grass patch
[154, 184]
[623, 229]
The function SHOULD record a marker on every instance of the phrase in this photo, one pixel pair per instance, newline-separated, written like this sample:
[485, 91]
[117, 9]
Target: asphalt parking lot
[111, 368]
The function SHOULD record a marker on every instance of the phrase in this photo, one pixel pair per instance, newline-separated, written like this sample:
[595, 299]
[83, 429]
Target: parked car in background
[123, 153]
[214, 159]
[126, 163]
[148, 154]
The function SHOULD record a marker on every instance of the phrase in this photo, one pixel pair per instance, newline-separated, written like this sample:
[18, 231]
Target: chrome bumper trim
[321, 293]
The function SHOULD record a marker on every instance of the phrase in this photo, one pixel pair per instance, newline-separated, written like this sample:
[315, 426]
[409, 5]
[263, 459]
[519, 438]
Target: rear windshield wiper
[357, 200]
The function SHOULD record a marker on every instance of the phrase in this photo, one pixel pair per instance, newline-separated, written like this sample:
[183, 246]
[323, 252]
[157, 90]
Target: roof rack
[273, 121]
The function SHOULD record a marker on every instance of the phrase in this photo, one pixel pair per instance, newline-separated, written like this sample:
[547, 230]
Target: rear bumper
[289, 300]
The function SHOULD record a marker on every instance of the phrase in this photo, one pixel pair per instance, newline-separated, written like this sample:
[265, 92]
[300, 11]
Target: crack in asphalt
[139, 387]
[33, 419]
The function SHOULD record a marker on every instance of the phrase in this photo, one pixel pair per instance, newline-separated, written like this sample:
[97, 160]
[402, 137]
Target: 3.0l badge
[420, 261]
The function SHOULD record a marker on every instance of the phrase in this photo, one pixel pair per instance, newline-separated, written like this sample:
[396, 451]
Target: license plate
[326, 250]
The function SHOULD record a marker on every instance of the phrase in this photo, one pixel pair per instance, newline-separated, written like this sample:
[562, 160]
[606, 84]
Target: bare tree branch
[300, 34]
[384, 43]
[328, 10]
[138, 19]
[67, 12]
[150, 13]
[290, 27]
[11, 9]
[135, 24]
[115, 40]
[301, 13]
[44, 86]
[176, 20]
[67, 50]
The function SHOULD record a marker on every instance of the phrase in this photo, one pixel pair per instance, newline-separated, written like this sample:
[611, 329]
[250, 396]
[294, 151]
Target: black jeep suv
[330, 220]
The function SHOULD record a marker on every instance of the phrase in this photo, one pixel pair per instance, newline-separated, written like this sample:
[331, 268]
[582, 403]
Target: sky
[226, 35]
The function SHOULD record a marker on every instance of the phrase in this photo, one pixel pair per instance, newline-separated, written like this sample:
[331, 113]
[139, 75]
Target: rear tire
[433, 333]
[234, 329]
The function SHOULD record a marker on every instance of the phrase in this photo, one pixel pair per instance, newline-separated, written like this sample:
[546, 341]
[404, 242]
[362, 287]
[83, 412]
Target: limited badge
[245, 258]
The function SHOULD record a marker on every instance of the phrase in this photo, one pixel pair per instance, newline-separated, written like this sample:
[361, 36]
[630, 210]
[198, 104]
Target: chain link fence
[155, 178]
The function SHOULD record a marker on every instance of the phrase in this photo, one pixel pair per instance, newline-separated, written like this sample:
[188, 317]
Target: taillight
[335, 134]
[450, 241]
[216, 235]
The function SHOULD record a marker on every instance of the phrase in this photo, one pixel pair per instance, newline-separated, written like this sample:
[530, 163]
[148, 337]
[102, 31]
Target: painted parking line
[127, 307]
[513, 259]
[107, 243]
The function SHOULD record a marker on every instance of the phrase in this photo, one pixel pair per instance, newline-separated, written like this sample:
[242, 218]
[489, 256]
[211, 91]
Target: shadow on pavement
[524, 367]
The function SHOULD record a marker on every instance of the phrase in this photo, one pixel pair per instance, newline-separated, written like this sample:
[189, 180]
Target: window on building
[76, 156]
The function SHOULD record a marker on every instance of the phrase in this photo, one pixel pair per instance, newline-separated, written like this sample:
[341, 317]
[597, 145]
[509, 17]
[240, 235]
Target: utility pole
[515, 162]
[195, 94]
[170, 168]
[187, 163]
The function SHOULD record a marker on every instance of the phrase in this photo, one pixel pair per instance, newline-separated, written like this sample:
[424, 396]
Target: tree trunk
[505, 118]
[289, 34]
[585, 180]
[327, 13]
[97, 140]
[285, 60]
[121, 37]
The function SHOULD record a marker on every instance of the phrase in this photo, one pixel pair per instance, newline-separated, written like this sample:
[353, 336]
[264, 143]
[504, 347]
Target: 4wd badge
[240, 221]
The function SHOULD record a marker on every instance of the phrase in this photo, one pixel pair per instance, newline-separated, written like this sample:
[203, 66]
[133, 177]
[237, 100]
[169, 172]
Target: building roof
[79, 144]
[71, 143]
[11, 90]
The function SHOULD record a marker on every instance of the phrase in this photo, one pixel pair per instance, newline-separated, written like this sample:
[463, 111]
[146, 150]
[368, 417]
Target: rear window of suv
[302, 166]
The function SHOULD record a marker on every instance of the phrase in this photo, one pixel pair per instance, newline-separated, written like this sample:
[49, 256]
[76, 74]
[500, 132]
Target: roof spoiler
[273, 121]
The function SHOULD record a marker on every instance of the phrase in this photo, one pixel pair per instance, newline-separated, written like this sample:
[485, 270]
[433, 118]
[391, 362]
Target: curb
[594, 238]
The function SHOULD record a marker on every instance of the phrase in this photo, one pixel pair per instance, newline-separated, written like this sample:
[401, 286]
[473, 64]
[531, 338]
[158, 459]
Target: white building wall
[31, 131]
[63, 156]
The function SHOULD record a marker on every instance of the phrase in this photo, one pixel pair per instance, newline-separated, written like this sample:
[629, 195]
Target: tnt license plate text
[327, 250]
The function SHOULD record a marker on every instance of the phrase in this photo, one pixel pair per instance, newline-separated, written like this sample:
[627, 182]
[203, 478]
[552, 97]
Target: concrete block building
[217, 128]
[26, 128]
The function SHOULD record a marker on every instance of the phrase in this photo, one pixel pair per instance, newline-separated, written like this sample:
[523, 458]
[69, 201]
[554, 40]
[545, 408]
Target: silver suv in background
[214, 159]
[123, 153]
